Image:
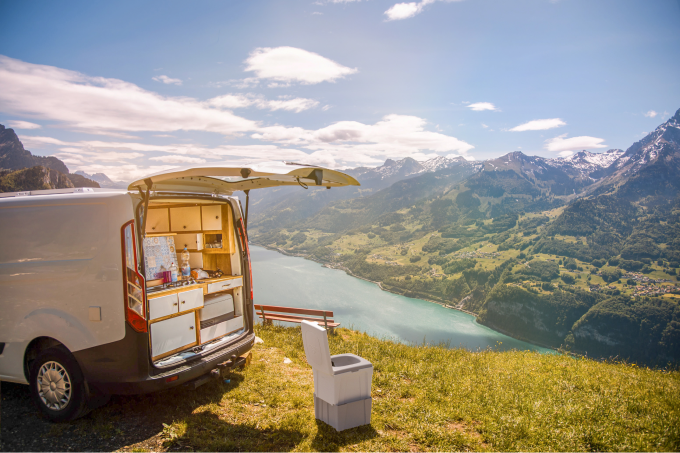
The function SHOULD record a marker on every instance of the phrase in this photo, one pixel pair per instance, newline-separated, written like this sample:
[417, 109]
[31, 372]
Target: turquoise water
[296, 282]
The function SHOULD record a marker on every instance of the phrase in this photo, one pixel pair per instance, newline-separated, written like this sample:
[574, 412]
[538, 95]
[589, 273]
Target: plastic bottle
[186, 269]
[173, 273]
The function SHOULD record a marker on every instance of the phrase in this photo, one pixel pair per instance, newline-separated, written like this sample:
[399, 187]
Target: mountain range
[20, 170]
[580, 252]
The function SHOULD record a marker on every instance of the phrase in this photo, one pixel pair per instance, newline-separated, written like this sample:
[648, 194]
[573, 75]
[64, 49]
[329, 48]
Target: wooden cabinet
[163, 306]
[185, 219]
[211, 217]
[167, 305]
[190, 300]
[173, 334]
[192, 241]
[157, 221]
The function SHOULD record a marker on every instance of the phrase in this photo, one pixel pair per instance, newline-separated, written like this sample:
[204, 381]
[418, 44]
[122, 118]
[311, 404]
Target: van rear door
[226, 180]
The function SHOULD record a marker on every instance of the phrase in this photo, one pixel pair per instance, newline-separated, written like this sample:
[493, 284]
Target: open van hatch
[191, 208]
[227, 180]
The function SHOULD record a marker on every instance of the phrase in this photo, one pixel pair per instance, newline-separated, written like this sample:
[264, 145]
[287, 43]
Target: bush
[544, 270]
[568, 279]
[611, 276]
[415, 259]
[570, 263]
[598, 263]
[403, 252]
[631, 282]
[547, 286]
[614, 261]
[460, 265]
[371, 235]
[298, 238]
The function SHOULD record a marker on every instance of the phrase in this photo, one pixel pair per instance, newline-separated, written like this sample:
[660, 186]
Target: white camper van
[84, 309]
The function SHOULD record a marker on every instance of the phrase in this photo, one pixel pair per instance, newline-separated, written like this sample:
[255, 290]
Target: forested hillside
[580, 252]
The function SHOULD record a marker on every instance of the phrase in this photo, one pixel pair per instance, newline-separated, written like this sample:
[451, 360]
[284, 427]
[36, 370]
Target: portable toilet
[342, 383]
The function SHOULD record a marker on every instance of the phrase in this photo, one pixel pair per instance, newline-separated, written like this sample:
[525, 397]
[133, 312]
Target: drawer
[211, 217]
[225, 284]
[163, 306]
[221, 329]
[173, 334]
[157, 221]
[188, 300]
[185, 219]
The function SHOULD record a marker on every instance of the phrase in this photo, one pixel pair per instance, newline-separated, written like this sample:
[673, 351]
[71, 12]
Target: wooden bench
[270, 313]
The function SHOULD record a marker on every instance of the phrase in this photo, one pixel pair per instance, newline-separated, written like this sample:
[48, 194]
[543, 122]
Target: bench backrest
[299, 311]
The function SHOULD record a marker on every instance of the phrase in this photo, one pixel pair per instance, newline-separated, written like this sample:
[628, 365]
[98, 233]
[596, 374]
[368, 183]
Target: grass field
[426, 399]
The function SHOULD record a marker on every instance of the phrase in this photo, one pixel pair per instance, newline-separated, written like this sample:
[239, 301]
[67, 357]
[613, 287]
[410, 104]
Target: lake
[360, 305]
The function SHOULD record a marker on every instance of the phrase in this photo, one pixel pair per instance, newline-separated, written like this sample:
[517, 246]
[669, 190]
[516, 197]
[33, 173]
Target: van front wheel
[58, 386]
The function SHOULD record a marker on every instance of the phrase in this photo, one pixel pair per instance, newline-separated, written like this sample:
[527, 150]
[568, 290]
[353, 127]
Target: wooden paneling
[157, 221]
[211, 216]
[185, 219]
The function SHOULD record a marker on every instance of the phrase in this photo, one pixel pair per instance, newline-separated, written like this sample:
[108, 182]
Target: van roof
[58, 191]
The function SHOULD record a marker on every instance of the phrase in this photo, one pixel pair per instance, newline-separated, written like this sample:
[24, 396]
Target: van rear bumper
[137, 383]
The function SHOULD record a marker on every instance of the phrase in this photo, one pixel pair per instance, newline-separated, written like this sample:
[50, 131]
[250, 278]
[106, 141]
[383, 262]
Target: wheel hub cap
[54, 385]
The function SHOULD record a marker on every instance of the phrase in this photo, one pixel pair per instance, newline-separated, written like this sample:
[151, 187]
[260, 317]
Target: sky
[130, 88]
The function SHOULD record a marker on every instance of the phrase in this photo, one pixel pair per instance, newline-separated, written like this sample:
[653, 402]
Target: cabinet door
[157, 222]
[185, 219]
[173, 334]
[212, 218]
[192, 241]
[188, 300]
[163, 306]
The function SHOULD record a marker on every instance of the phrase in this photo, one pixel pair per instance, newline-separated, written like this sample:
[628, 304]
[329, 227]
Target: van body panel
[60, 254]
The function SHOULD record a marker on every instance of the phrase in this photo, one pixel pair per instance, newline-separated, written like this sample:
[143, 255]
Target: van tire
[64, 385]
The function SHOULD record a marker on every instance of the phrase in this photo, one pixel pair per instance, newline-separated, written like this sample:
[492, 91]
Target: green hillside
[425, 398]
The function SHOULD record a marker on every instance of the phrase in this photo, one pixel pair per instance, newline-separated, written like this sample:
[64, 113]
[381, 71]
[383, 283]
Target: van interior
[205, 309]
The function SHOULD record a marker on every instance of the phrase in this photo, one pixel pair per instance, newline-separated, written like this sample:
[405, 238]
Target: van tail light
[133, 283]
[244, 242]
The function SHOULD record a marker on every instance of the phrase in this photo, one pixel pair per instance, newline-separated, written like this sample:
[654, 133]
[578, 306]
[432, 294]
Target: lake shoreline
[379, 284]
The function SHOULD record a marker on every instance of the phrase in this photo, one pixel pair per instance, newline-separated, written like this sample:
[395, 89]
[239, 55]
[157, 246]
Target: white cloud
[481, 106]
[317, 13]
[103, 106]
[566, 153]
[402, 11]
[125, 173]
[177, 159]
[351, 142]
[167, 80]
[651, 114]
[539, 125]
[114, 108]
[234, 101]
[485, 126]
[285, 65]
[561, 143]
[23, 125]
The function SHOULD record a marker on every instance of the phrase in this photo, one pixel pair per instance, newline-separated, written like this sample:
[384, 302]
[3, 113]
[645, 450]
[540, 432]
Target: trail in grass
[296, 282]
